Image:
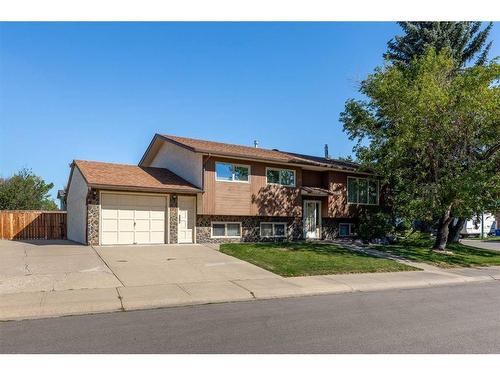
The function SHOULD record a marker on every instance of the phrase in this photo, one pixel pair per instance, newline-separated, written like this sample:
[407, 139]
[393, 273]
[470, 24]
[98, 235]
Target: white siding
[181, 161]
[77, 207]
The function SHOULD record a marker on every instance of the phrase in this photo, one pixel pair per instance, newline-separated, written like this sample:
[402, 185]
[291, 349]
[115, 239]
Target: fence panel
[32, 225]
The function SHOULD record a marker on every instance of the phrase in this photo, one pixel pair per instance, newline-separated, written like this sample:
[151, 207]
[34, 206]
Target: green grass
[417, 248]
[307, 258]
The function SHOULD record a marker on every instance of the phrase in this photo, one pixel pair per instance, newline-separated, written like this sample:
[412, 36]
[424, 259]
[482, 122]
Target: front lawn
[417, 248]
[308, 258]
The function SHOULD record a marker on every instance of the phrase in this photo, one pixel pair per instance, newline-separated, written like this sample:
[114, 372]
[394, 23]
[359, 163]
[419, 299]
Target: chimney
[326, 152]
[256, 144]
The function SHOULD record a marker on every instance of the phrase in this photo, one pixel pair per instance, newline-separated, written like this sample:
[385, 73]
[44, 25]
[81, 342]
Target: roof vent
[326, 152]
[256, 144]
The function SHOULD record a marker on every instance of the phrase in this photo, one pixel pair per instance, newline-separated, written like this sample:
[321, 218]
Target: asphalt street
[449, 319]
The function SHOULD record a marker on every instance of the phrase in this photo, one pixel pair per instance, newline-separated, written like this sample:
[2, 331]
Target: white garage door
[132, 219]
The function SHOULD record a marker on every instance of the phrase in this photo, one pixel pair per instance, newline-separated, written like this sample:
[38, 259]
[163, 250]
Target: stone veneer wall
[93, 217]
[250, 228]
[173, 213]
[330, 227]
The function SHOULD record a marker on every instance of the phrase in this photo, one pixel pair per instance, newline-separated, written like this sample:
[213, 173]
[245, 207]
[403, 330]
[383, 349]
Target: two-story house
[187, 190]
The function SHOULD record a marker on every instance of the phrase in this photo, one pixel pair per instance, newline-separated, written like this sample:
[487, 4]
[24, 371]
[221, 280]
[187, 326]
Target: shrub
[375, 224]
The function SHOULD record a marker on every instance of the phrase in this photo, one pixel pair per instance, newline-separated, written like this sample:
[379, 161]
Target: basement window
[226, 230]
[268, 230]
[345, 229]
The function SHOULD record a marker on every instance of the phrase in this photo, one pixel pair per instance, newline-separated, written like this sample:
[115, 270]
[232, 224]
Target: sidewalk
[27, 305]
[485, 245]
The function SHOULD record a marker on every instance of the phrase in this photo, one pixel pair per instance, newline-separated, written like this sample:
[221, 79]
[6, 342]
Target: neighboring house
[186, 190]
[61, 195]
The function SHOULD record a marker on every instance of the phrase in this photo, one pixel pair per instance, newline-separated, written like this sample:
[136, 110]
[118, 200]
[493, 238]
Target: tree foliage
[431, 130]
[463, 40]
[25, 191]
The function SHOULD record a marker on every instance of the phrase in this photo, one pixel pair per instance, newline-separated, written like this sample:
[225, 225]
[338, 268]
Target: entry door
[186, 219]
[311, 219]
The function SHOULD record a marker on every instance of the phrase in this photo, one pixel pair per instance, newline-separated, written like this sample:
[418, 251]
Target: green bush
[375, 224]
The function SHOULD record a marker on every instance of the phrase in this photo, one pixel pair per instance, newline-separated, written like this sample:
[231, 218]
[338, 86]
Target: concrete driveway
[176, 264]
[33, 266]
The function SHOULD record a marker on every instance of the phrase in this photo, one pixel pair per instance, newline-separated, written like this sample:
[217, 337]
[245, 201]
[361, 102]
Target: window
[362, 191]
[284, 177]
[228, 230]
[232, 172]
[273, 229]
[345, 230]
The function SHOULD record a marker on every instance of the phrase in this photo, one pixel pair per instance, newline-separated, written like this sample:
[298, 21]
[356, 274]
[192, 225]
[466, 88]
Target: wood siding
[313, 179]
[32, 225]
[255, 198]
[337, 202]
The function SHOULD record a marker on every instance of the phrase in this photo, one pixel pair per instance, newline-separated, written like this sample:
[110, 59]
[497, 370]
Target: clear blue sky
[100, 91]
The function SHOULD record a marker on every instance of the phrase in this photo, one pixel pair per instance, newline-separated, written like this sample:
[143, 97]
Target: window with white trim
[362, 190]
[226, 230]
[232, 172]
[273, 229]
[277, 176]
[345, 229]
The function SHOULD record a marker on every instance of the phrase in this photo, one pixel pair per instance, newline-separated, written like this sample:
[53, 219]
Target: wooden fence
[32, 225]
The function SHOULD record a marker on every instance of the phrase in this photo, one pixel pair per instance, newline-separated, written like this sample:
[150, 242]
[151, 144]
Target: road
[451, 319]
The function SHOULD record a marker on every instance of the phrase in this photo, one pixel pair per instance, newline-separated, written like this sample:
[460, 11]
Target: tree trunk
[442, 230]
[454, 230]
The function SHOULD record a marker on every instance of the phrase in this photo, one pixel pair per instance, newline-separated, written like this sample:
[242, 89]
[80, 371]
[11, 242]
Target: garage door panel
[108, 238]
[109, 214]
[157, 225]
[126, 238]
[119, 212]
[126, 214]
[109, 225]
[126, 225]
[157, 237]
[139, 215]
[142, 225]
[142, 237]
[157, 214]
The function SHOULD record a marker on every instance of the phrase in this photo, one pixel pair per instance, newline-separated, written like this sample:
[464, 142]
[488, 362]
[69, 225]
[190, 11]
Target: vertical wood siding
[253, 199]
[32, 225]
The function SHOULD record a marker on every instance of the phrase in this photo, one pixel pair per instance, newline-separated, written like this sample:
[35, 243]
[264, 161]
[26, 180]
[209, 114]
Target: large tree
[465, 41]
[25, 191]
[431, 130]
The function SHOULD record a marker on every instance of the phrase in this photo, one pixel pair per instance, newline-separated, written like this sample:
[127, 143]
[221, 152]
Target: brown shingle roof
[226, 149]
[132, 177]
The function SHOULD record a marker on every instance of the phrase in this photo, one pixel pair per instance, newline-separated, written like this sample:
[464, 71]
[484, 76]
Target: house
[61, 195]
[187, 190]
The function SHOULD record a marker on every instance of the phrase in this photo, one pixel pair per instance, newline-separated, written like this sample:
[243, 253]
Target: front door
[312, 219]
[186, 219]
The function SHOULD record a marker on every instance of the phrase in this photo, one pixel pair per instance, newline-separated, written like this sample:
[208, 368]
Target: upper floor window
[362, 190]
[285, 177]
[232, 172]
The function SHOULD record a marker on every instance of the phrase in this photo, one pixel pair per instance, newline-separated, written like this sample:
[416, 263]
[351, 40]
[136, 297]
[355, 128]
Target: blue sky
[100, 91]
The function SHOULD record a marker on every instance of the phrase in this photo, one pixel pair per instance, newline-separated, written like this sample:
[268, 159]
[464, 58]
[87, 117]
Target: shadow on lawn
[318, 248]
[463, 256]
